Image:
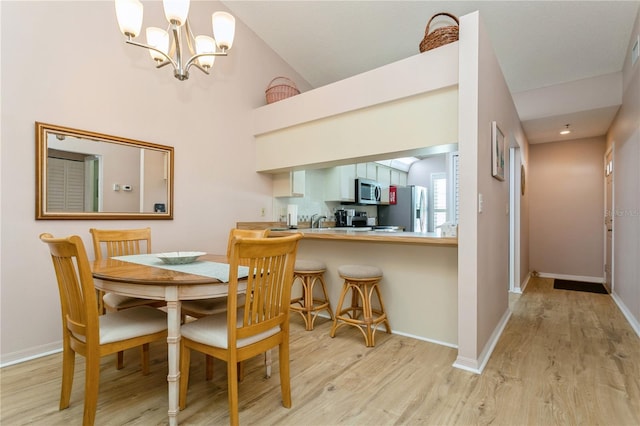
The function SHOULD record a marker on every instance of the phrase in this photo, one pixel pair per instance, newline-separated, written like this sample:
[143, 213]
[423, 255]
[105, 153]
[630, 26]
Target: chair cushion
[304, 265]
[209, 306]
[129, 323]
[212, 331]
[117, 301]
[359, 271]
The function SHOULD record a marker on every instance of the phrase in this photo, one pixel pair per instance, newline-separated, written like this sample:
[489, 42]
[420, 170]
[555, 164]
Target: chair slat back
[245, 233]
[271, 263]
[75, 285]
[120, 242]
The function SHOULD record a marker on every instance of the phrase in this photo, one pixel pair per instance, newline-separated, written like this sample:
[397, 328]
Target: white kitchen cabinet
[340, 183]
[398, 178]
[289, 184]
[384, 176]
[367, 171]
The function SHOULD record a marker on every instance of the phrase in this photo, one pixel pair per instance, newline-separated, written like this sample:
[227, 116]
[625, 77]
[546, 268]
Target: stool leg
[302, 300]
[334, 327]
[308, 301]
[326, 296]
[383, 311]
[356, 306]
[367, 314]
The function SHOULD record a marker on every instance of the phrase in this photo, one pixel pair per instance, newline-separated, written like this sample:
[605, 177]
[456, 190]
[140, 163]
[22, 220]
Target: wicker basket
[281, 88]
[440, 36]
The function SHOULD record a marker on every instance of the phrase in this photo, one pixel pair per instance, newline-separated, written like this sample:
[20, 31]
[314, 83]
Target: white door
[608, 220]
[516, 192]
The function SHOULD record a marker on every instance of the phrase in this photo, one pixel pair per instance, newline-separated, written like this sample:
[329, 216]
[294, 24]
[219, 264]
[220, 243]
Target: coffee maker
[341, 218]
[350, 215]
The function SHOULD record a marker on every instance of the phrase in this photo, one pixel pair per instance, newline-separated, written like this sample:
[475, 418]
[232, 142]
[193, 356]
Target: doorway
[608, 219]
[515, 181]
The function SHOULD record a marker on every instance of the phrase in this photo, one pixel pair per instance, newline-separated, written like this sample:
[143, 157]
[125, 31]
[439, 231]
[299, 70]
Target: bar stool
[362, 281]
[308, 273]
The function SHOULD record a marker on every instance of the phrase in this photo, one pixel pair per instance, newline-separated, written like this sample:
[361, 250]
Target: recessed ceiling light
[566, 130]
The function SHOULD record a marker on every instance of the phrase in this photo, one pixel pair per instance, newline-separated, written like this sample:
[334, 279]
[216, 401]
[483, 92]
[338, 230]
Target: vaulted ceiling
[562, 60]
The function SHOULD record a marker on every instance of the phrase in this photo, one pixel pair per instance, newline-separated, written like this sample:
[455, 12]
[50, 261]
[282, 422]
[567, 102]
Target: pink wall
[567, 201]
[624, 136]
[71, 67]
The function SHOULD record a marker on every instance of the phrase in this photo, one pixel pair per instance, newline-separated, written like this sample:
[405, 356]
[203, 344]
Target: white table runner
[199, 267]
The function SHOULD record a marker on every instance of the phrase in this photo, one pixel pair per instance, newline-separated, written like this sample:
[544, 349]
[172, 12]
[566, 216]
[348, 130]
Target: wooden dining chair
[263, 322]
[89, 334]
[202, 308]
[121, 242]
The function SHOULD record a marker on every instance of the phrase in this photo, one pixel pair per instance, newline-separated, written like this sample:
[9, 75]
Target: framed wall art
[497, 152]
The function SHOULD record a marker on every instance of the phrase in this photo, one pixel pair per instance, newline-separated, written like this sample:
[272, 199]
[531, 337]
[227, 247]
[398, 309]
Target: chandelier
[203, 49]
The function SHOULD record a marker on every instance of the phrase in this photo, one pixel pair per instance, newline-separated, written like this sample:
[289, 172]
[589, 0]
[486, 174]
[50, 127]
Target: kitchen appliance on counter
[350, 214]
[350, 217]
[360, 219]
[341, 218]
[409, 212]
[368, 191]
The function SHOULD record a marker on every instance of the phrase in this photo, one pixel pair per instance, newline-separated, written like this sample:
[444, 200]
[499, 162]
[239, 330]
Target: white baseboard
[424, 339]
[627, 313]
[478, 365]
[599, 280]
[525, 283]
[31, 353]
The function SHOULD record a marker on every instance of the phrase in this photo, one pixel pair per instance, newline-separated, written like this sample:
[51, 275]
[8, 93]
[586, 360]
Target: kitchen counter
[353, 234]
[369, 235]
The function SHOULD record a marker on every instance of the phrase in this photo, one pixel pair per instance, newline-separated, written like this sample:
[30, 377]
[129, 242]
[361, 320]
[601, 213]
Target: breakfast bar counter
[420, 274]
[377, 236]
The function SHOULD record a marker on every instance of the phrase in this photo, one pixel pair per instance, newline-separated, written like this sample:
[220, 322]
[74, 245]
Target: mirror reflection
[87, 175]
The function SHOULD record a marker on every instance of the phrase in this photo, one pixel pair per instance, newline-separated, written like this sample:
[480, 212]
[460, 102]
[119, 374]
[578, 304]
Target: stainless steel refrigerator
[409, 212]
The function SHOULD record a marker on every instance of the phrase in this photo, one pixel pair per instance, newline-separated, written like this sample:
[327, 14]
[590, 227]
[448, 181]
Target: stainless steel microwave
[368, 191]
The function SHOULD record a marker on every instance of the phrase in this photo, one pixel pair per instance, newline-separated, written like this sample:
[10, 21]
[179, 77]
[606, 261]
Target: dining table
[147, 276]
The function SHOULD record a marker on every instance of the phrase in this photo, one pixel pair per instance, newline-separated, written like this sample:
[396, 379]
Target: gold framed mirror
[82, 174]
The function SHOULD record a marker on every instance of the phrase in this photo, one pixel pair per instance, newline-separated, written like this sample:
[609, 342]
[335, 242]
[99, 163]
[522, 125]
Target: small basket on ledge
[281, 88]
[440, 36]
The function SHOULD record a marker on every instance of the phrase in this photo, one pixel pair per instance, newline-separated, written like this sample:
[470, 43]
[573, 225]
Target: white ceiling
[538, 44]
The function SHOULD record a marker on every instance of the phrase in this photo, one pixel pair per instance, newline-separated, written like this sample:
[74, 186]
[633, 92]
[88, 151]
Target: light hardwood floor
[565, 358]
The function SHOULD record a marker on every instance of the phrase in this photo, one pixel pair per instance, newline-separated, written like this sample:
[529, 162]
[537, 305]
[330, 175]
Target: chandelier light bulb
[129, 15]
[158, 38]
[176, 11]
[224, 28]
[205, 44]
